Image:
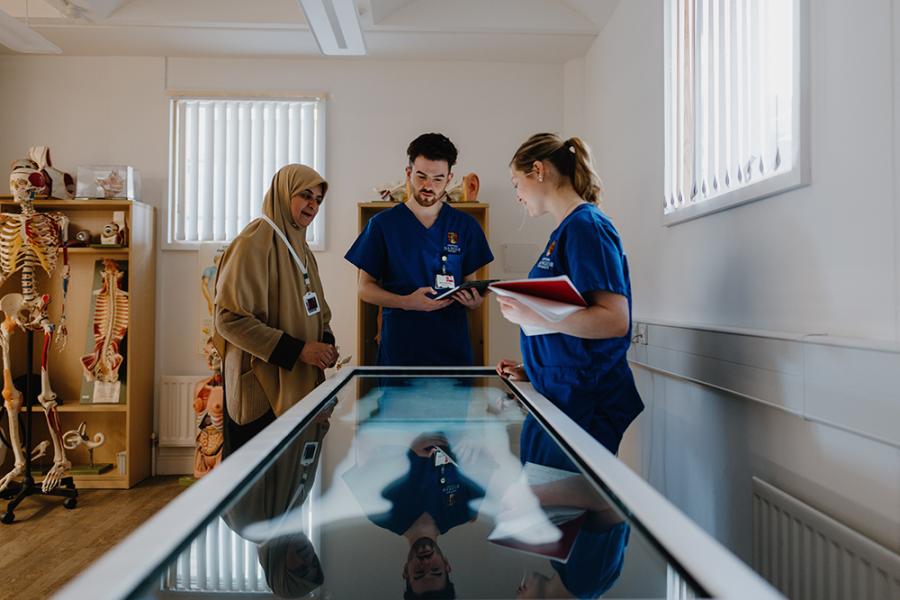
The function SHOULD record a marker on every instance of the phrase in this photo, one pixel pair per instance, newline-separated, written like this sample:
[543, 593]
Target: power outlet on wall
[639, 334]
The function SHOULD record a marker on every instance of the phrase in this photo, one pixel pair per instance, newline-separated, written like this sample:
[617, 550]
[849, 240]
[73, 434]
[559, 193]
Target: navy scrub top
[403, 255]
[590, 380]
[442, 492]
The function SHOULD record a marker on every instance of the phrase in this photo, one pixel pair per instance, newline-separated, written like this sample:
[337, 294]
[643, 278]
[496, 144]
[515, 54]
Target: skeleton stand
[28, 487]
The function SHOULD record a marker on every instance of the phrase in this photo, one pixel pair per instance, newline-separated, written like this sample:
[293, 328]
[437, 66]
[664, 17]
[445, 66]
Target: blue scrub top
[597, 557]
[590, 380]
[403, 255]
[442, 492]
[596, 561]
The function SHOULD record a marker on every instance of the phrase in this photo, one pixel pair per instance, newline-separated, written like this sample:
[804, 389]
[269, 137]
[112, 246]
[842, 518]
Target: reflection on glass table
[393, 484]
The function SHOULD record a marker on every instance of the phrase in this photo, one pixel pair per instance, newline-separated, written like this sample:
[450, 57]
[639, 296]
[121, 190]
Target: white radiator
[219, 560]
[808, 555]
[177, 422]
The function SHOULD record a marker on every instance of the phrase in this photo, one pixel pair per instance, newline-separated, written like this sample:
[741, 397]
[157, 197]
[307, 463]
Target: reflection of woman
[271, 319]
[598, 551]
[269, 515]
[581, 366]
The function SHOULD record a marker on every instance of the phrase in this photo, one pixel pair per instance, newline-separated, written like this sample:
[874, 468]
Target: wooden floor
[47, 545]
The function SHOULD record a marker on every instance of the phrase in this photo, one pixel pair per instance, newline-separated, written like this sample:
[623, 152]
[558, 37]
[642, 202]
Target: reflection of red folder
[558, 550]
[558, 289]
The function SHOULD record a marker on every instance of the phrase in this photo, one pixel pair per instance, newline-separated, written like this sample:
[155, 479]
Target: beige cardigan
[259, 297]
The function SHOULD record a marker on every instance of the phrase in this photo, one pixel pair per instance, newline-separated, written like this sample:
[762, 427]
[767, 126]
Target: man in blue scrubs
[416, 250]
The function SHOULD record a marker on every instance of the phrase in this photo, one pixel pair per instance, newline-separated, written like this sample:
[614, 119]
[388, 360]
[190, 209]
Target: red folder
[559, 550]
[558, 289]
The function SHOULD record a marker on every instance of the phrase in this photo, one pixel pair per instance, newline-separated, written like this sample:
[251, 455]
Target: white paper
[106, 392]
[549, 309]
[527, 521]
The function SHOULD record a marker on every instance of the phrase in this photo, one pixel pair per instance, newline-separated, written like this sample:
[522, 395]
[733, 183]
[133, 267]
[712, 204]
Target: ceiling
[550, 31]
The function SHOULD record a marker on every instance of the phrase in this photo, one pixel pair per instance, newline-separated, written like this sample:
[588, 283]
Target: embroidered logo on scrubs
[452, 246]
[545, 263]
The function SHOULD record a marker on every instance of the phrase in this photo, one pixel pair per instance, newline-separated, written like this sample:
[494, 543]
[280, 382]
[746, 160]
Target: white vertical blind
[224, 154]
[729, 109]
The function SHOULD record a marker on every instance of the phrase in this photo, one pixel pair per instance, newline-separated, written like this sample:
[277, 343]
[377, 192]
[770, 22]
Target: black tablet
[480, 284]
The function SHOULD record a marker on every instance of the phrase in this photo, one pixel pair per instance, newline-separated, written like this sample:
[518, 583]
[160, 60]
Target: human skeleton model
[29, 240]
[110, 325]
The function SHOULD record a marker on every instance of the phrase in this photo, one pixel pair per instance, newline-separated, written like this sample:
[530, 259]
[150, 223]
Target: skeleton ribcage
[29, 240]
[110, 325]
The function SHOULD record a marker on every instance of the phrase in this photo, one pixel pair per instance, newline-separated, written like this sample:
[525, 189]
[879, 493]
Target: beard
[426, 202]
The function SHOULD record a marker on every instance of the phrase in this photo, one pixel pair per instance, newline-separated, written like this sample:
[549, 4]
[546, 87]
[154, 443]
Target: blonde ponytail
[572, 158]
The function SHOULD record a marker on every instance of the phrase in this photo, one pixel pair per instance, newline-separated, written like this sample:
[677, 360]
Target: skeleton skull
[26, 179]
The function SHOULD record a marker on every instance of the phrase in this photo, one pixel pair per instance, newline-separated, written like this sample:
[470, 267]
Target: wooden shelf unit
[367, 314]
[126, 426]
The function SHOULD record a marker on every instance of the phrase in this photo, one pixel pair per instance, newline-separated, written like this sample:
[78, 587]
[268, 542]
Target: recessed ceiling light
[335, 25]
[19, 37]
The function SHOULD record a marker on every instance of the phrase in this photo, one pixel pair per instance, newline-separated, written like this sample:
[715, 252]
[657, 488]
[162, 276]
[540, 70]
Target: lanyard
[290, 248]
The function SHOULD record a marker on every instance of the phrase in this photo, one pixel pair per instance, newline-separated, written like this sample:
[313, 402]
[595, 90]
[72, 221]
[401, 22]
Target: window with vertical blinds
[734, 103]
[224, 153]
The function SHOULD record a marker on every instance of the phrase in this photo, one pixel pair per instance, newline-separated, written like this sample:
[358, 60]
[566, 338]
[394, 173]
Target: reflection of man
[431, 498]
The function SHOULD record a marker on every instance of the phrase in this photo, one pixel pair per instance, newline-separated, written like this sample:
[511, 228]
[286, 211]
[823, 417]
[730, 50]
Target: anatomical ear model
[464, 190]
[79, 437]
[29, 240]
[109, 327]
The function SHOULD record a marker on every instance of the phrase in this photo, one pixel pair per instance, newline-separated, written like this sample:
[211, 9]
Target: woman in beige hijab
[272, 324]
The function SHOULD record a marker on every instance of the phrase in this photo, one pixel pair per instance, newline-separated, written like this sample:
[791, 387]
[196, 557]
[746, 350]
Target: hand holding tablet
[481, 285]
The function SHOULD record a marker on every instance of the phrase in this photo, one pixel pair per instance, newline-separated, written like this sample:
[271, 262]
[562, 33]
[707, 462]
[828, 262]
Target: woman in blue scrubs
[581, 367]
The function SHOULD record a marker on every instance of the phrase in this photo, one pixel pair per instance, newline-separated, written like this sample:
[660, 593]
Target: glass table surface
[416, 485]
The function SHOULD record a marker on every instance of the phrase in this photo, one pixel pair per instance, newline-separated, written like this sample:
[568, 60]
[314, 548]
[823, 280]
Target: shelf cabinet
[127, 426]
[367, 314]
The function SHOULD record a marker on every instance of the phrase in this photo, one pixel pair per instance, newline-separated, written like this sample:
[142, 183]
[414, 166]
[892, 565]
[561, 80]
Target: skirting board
[848, 384]
[174, 461]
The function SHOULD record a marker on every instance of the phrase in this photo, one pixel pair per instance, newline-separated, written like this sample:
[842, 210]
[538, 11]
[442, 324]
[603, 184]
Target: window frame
[317, 239]
[799, 173]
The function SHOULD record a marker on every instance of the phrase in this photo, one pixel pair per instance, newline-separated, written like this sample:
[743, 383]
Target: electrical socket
[639, 334]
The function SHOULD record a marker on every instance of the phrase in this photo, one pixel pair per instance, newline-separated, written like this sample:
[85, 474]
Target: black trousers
[238, 435]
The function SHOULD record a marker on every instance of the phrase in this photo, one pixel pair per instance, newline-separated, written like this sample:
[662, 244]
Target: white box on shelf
[108, 181]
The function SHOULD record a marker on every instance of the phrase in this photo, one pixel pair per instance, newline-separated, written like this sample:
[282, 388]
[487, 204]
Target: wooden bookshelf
[127, 426]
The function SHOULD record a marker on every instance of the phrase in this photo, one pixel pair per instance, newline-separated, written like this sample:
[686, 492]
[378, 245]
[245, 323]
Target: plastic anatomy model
[29, 240]
[79, 437]
[109, 327]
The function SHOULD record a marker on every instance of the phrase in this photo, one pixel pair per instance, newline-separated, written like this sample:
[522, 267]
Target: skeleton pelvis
[11, 304]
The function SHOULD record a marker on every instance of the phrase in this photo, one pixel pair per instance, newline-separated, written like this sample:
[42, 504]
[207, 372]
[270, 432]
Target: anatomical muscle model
[109, 327]
[29, 240]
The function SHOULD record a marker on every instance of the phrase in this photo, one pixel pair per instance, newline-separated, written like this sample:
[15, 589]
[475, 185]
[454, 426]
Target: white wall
[114, 110]
[93, 110]
[822, 259]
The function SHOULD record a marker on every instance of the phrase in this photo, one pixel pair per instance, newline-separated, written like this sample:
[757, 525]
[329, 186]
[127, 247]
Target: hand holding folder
[553, 298]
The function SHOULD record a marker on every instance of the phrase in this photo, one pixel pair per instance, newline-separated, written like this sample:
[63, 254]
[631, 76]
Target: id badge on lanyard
[444, 280]
[311, 303]
[310, 299]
